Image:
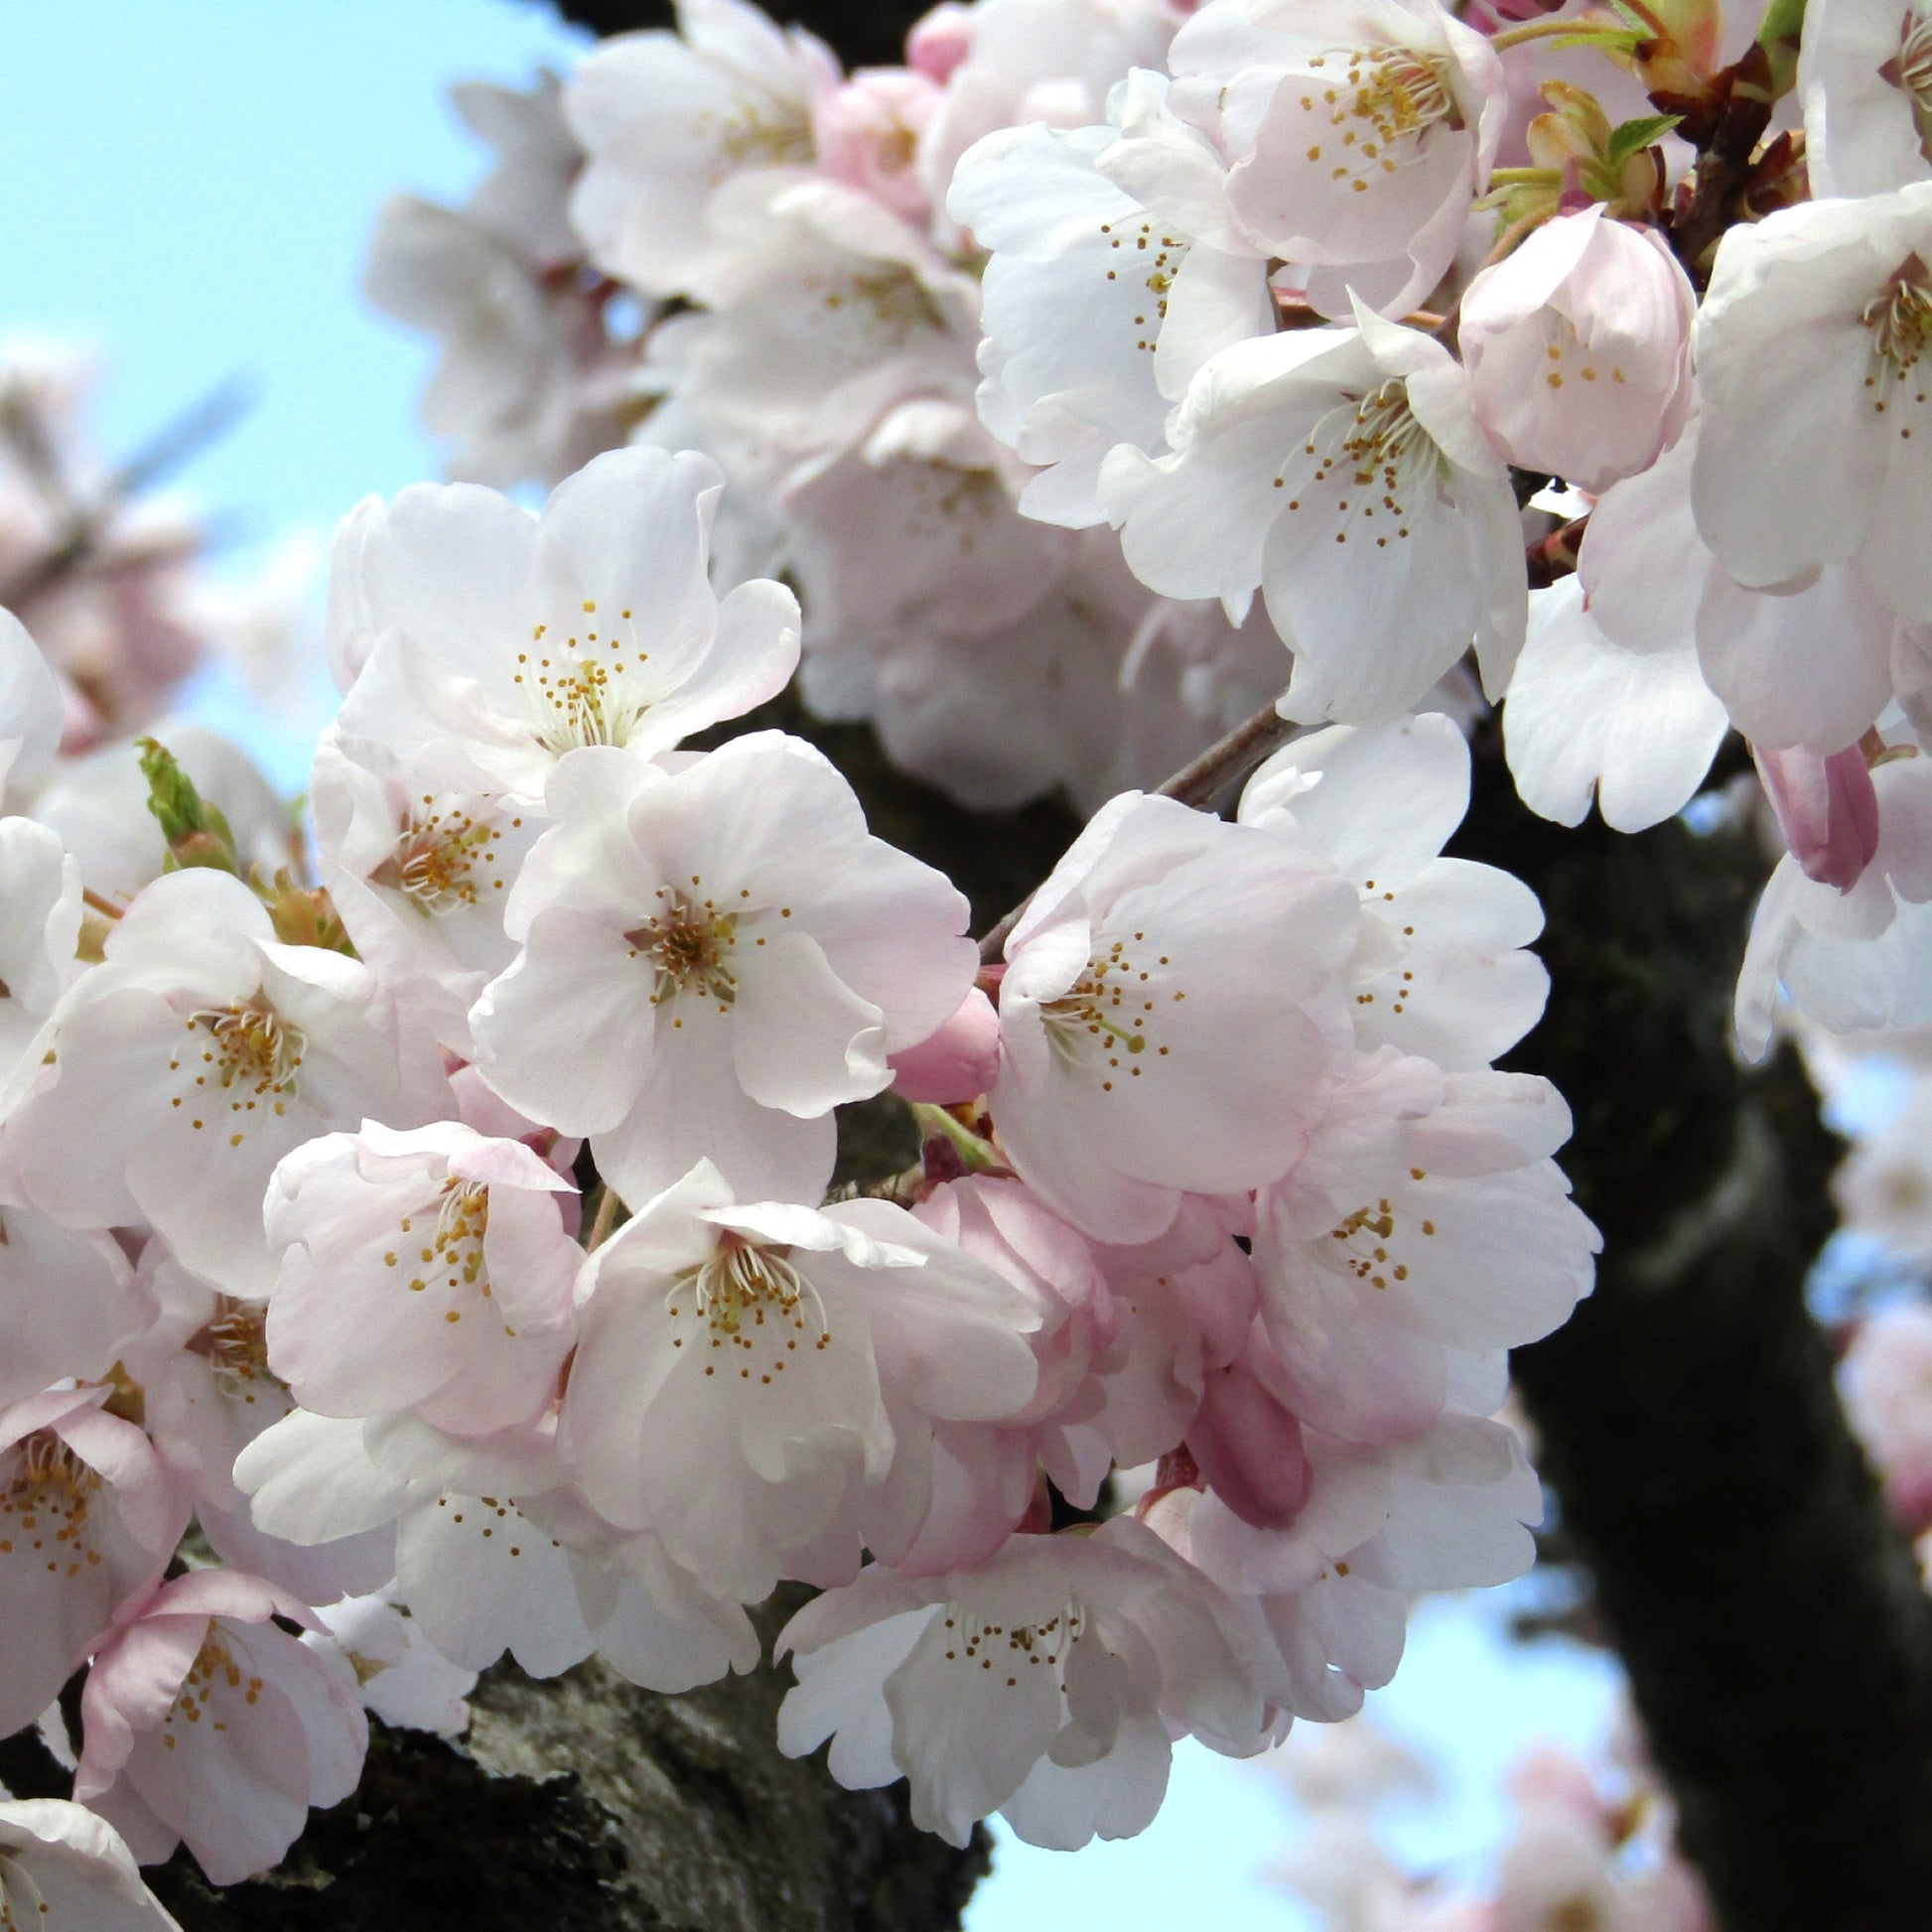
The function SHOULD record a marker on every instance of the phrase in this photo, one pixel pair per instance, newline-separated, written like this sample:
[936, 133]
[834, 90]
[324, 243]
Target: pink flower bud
[958, 1062]
[1827, 810]
[1577, 348]
[940, 41]
[868, 136]
[1249, 1447]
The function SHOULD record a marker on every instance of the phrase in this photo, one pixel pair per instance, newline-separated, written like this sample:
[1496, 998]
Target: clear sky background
[189, 188]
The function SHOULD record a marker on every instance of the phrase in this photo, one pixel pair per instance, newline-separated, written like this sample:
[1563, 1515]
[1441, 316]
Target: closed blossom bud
[868, 135]
[1577, 348]
[1827, 809]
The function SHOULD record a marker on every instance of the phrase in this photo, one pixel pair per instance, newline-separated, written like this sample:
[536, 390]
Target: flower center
[1366, 1242]
[252, 1052]
[455, 1249]
[899, 304]
[213, 1675]
[436, 858]
[1011, 1649]
[1900, 320]
[689, 944]
[586, 689]
[1910, 69]
[1376, 114]
[45, 1507]
[750, 1301]
[752, 132]
[235, 1342]
[1156, 261]
[1374, 454]
[1104, 1014]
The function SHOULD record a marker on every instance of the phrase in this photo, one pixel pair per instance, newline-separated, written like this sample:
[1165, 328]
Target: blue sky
[190, 186]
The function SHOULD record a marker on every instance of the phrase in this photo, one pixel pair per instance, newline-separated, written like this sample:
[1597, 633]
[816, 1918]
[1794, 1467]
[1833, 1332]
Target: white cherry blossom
[666, 117]
[713, 959]
[516, 638]
[1440, 968]
[401, 1678]
[195, 1695]
[62, 1870]
[1344, 473]
[88, 1518]
[1577, 348]
[67, 1304]
[427, 1270]
[1359, 132]
[1815, 441]
[1115, 273]
[747, 1372]
[39, 930]
[1169, 1007]
[187, 1064]
[1864, 77]
[32, 708]
[1040, 1685]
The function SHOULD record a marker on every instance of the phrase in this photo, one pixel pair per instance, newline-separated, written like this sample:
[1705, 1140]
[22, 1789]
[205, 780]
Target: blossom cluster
[1290, 294]
[1218, 1185]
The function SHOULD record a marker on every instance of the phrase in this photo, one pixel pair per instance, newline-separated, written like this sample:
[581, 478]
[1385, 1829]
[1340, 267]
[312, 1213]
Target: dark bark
[1778, 1643]
[866, 33]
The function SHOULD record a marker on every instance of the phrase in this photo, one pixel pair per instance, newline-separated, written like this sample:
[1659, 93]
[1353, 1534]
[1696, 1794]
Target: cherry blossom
[187, 1064]
[401, 1678]
[1807, 349]
[866, 135]
[1115, 273]
[88, 1518]
[1866, 82]
[1887, 1382]
[1440, 967]
[1359, 135]
[66, 1871]
[40, 930]
[1040, 1685]
[747, 1372]
[1344, 473]
[207, 1722]
[1577, 348]
[427, 1270]
[666, 118]
[68, 1304]
[516, 638]
[32, 710]
[712, 959]
[1168, 1009]
[496, 1550]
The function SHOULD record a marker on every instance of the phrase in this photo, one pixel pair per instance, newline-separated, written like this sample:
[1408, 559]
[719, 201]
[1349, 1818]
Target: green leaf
[1628, 136]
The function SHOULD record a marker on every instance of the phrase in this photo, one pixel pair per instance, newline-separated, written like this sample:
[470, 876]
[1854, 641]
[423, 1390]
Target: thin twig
[84, 524]
[603, 1220]
[1195, 783]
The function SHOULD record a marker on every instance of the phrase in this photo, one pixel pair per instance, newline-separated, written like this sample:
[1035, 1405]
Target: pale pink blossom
[868, 136]
[206, 1392]
[1815, 444]
[1865, 82]
[1887, 1382]
[472, 625]
[65, 1869]
[1359, 132]
[88, 1518]
[207, 1722]
[32, 708]
[1376, 590]
[1579, 346]
[497, 1550]
[1168, 1014]
[712, 960]
[1440, 967]
[1827, 809]
[428, 1271]
[666, 118]
[1044, 1685]
[398, 1673]
[187, 1064]
[748, 1373]
[67, 1304]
